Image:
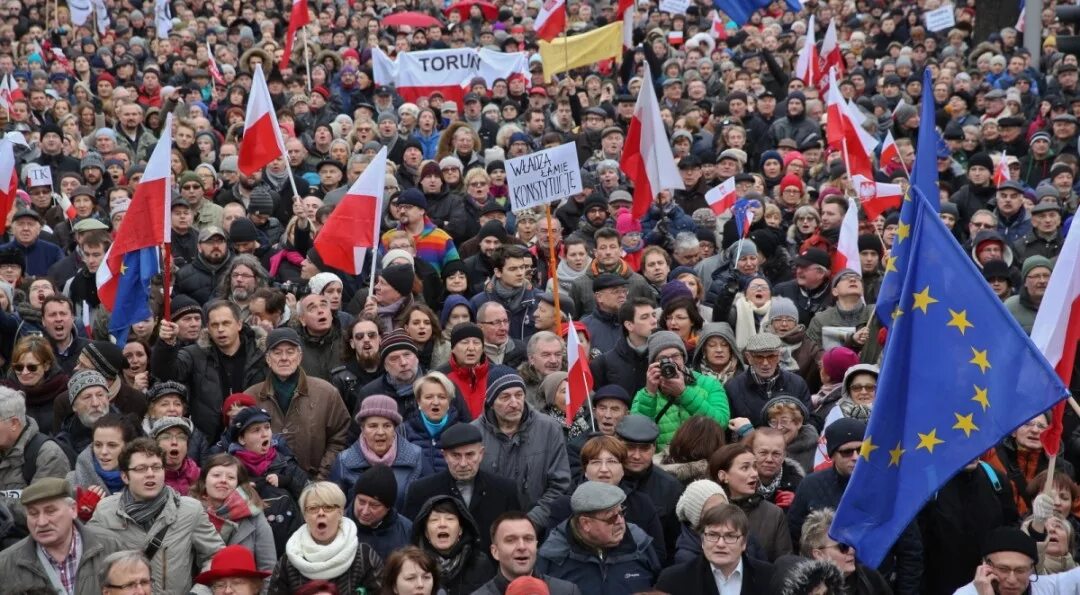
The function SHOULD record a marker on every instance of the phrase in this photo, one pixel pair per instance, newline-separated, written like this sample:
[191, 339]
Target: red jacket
[472, 382]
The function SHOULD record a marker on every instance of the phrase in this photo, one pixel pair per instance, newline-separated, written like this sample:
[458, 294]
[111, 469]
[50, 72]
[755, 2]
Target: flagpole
[166, 281]
[588, 396]
[375, 249]
[553, 267]
[307, 58]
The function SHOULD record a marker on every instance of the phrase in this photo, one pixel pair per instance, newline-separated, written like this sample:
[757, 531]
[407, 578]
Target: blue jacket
[429, 145]
[630, 567]
[417, 433]
[605, 332]
[391, 534]
[408, 466]
[39, 256]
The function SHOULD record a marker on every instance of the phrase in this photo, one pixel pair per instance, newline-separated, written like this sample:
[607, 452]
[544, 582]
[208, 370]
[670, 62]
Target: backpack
[30, 456]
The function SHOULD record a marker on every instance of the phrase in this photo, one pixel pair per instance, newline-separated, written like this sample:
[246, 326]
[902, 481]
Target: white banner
[674, 6]
[940, 19]
[543, 177]
[436, 68]
[37, 175]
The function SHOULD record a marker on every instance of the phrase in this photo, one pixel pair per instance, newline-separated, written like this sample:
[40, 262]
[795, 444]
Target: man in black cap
[810, 287]
[200, 277]
[610, 293]
[1045, 238]
[413, 218]
[794, 125]
[400, 361]
[611, 403]
[378, 523]
[692, 197]
[1008, 568]
[1014, 221]
[52, 151]
[185, 237]
[485, 494]
[480, 125]
[823, 489]
[640, 433]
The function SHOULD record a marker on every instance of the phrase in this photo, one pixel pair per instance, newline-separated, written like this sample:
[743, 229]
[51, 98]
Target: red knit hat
[242, 399]
[792, 180]
[527, 585]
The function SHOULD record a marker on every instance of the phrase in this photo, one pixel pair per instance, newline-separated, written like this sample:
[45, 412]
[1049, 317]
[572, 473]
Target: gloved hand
[784, 498]
[1042, 507]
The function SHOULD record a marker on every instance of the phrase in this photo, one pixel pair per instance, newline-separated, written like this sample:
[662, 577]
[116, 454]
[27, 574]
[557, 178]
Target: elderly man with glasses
[749, 390]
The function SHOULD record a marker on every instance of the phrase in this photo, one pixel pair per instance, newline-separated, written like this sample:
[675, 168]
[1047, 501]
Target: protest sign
[543, 177]
[940, 19]
[37, 175]
[674, 6]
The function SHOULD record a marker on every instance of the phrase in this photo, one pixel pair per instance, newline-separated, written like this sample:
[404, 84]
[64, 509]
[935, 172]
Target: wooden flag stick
[553, 267]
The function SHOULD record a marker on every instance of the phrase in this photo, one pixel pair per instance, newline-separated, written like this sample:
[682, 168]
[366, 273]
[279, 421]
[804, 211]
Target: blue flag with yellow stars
[924, 173]
[133, 292]
[959, 374]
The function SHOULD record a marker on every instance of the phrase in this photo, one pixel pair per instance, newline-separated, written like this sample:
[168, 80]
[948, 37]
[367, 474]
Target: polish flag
[579, 381]
[551, 20]
[844, 131]
[622, 7]
[807, 66]
[353, 227]
[723, 197]
[830, 57]
[718, 30]
[10, 91]
[69, 209]
[628, 29]
[877, 197]
[1056, 330]
[297, 19]
[889, 152]
[647, 158]
[262, 141]
[1001, 172]
[9, 177]
[87, 319]
[212, 66]
[847, 246]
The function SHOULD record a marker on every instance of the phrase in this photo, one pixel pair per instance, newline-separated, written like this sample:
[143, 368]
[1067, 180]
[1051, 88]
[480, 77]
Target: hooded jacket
[704, 396]
[474, 568]
[534, 457]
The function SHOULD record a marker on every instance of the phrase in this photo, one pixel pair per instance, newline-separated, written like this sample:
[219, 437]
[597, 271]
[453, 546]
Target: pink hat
[793, 156]
[625, 223]
[836, 362]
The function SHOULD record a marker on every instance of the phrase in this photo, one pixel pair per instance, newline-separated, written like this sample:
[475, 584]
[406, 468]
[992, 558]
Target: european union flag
[133, 292]
[740, 10]
[959, 374]
[924, 173]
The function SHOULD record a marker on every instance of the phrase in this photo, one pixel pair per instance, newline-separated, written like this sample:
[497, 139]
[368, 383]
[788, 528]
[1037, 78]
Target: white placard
[941, 18]
[674, 6]
[543, 177]
[38, 175]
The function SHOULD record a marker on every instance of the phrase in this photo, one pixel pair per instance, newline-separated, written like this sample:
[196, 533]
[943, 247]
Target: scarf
[236, 507]
[852, 409]
[568, 274]
[28, 313]
[622, 269]
[256, 464]
[183, 478]
[453, 562]
[292, 256]
[111, 478]
[323, 562]
[386, 314]
[767, 491]
[496, 353]
[374, 459]
[746, 319]
[284, 389]
[509, 296]
[433, 428]
[724, 375]
[45, 392]
[401, 389]
[144, 512]
[277, 180]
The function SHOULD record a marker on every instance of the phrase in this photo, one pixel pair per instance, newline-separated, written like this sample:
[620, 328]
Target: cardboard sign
[543, 177]
[38, 175]
[940, 18]
[674, 6]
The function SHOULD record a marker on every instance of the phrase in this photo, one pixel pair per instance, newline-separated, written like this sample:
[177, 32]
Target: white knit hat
[688, 509]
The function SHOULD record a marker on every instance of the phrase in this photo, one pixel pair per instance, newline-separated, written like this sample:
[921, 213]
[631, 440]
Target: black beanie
[378, 482]
[869, 241]
[463, 331]
[182, 305]
[1010, 539]
[982, 159]
[243, 230]
[492, 228]
[107, 357]
[400, 277]
[842, 431]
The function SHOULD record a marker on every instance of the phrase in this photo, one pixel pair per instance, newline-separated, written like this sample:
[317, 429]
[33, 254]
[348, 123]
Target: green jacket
[705, 397]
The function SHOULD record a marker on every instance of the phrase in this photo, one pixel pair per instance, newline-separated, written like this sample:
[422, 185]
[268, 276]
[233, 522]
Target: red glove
[881, 335]
[85, 503]
[784, 498]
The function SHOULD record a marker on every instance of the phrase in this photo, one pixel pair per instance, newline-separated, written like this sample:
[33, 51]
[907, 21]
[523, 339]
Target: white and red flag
[212, 66]
[262, 142]
[9, 176]
[877, 197]
[723, 197]
[847, 246]
[808, 66]
[1001, 172]
[551, 20]
[647, 158]
[353, 228]
[298, 17]
[579, 380]
[889, 152]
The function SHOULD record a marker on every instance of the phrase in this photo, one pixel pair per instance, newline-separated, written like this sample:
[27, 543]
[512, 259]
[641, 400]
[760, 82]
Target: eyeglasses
[141, 469]
[478, 184]
[1018, 571]
[192, 187]
[503, 322]
[620, 513]
[143, 583]
[765, 357]
[229, 584]
[846, 452]
[843, 548]
[325, 508]
[604, 463]
[367, 335]
[862, 388]
[713, 537]
[982, 225]
[20, 368]
[782, 422]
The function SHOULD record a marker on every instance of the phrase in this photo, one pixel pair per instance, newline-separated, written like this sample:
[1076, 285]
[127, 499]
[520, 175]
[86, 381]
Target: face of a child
[773, 219]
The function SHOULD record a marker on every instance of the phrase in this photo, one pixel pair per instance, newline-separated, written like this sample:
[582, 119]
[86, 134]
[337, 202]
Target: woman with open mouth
[444, 529]
[734, 467]
[235, 508]
[553, 387]
[97, 468]
[422, 326]
[380, 442]
[325, 547]
[433, 392]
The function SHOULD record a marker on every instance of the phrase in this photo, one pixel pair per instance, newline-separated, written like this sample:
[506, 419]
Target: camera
[668, 368]
[298, 289]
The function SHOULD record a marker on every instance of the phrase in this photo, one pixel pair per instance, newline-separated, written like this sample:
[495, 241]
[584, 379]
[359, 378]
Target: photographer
[673, 393]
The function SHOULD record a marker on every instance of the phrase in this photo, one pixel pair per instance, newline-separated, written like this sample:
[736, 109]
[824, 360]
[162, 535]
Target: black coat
[640, 511]
[696, 578]
[664, 490]
[198, 281]
[747, 397]
[492, 496]
[622, 366]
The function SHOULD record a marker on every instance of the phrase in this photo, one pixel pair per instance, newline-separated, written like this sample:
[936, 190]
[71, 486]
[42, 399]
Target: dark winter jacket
[394, 532]
[696, 577]
[621, 365]
[748, 396]
[417, 433]
[475, 567]
[198, 279]
[630, 567]
[364, 572]
[492, 495]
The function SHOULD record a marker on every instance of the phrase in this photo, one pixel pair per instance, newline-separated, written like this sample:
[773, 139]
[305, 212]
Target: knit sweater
[433, 245]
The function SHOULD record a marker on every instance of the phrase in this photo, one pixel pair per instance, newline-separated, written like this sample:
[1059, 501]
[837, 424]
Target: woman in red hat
[233, 568]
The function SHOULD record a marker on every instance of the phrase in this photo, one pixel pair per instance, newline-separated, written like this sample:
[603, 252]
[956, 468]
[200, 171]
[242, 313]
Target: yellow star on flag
[903, 230]
[897, 312]
[895, 454]
[867, 447]
[981, 397]
[923, 299]
[890, 264]
[980, 359]
[929, 441]
[959, 320]
[966, 424]
[123, 268]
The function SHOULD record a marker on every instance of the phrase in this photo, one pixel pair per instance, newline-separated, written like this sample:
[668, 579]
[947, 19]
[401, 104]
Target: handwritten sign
[674, 6]
[38, 175]
[543, 177]
[940, 19]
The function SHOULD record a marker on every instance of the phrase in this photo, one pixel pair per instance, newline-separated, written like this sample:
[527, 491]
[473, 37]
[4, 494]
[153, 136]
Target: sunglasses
[847, 452]
[27, 367]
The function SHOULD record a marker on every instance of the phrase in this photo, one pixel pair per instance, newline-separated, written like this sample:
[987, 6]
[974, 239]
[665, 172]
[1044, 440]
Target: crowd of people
[288, 427]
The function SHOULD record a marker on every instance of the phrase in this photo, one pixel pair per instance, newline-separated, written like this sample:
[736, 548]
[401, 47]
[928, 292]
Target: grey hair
[542, 336]
[685, 241]
[357, 159]
[986, 212]
[12, 404]
[262, 278]
[121, 558]
[814, 530]
[482, 310]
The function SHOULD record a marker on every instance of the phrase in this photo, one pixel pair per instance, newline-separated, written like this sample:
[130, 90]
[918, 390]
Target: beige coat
[19, 565]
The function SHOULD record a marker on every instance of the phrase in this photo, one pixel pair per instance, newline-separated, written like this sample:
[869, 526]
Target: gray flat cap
[594, 496]
[637, 428]
[763, 342]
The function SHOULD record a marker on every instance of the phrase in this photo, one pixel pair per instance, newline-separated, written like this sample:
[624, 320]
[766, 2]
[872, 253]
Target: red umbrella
[489, 10]
[411, 19]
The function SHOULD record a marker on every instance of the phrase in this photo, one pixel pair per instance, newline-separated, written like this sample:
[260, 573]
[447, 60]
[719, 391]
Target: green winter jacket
[705, 397]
